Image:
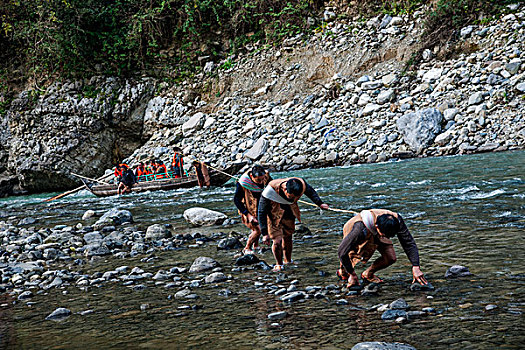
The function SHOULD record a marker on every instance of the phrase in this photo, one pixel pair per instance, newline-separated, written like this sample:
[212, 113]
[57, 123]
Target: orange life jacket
[161, 172]
[118, 172]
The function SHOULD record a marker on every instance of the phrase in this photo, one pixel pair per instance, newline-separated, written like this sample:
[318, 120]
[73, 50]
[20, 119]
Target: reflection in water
[466, 210]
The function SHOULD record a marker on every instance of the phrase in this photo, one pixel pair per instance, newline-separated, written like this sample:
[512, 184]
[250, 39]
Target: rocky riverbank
[33, 262]
[340, 96]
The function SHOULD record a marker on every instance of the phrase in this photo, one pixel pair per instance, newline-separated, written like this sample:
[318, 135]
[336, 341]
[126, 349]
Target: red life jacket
[118, 172]
[161, 171]
[178, 161]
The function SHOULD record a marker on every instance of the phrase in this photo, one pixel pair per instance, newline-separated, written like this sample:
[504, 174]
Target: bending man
[277, 212]
[369, 231]
[246, 199]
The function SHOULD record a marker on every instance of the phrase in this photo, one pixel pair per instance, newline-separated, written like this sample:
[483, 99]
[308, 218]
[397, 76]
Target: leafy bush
[41, 38]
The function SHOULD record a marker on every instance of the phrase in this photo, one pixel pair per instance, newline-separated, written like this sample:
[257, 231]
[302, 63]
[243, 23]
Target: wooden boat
[217, 178]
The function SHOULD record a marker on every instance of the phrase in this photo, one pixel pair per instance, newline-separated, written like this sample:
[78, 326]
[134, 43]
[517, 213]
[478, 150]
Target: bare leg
[387, 258]
[287, 249]
[277, 249]
[253, 239]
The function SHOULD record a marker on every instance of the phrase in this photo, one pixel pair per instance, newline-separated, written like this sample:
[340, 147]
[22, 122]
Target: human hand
[418, 276]
[252, 219]
[266, 240]
[353, 280]
[324, 206]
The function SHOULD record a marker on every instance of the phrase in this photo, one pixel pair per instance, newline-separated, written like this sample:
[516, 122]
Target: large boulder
[204, 217]
[420, 128]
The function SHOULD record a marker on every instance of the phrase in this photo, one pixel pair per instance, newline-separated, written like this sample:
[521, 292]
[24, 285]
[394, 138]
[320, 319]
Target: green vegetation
[76, 38]
[172, 39]
[448, 16]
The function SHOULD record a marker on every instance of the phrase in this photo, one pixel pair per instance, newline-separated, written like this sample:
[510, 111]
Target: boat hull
[217, 178]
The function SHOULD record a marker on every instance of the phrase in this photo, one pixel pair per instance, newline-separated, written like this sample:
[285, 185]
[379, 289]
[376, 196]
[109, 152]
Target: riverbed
[462, 210]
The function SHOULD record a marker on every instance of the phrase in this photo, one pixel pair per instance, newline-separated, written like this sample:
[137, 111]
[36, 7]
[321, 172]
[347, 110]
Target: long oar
[90, 179]
[73, 190]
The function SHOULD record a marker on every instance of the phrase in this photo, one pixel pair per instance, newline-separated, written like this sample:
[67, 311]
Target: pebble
[279, 315]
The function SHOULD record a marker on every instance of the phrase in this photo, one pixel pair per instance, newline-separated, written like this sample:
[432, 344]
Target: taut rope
[301, 201]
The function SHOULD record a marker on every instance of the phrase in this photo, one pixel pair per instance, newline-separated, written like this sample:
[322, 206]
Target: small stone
[416, 287]
[59, 314]
[401, 319]
[475, 99]
[293, 296]
[25, 295]
[229, 243]
[379, 345]
[457, 271]
[277, 315]
[399, 304]
[157, 231]
[490, 307]
[88, 214]
[203, 264]
[393, 314]
[248, 259]
[204, 217]
[216, 277]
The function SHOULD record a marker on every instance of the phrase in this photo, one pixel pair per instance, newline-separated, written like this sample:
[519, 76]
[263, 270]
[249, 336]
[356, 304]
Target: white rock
[204, 217]
[385, 96]
[388, 79]
[258, 149]
[209, 122]
[466, 31]
[397, 21]
[444, 138]
[370, 108]
[157, 231]
[299, 160]
[364, 99]
[476, 98]
[450, 113]
[432, 75]
[193, 124]
[88, 214]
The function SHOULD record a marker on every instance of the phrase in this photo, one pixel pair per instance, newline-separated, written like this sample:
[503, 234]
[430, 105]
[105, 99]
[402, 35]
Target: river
[466, 210]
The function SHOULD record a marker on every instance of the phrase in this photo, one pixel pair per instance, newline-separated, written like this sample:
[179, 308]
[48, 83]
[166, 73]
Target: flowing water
[467, 210]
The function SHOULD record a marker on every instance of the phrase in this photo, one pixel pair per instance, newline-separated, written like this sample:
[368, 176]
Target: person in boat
[141, 172]
[126, 180]
[118, 170]
[367, 232]
[177, 163]
[277, 212]
[162, 171]
[203, 177]
[151, 166]
[247, 194]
